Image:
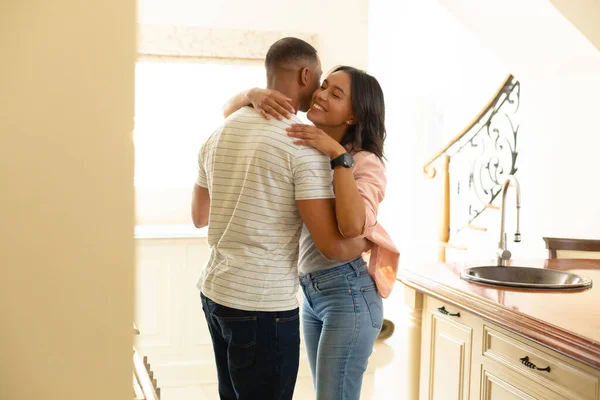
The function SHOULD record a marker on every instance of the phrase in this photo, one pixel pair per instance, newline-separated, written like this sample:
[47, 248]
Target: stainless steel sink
[526, 278]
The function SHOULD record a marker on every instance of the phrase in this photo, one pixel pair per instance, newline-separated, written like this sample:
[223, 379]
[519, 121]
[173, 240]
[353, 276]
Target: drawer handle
[525, 361]
[445, 312]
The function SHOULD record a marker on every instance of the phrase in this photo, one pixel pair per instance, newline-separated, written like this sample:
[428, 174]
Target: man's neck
[287, 88]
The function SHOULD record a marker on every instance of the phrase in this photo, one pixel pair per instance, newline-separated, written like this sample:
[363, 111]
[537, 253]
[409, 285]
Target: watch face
[347, 160]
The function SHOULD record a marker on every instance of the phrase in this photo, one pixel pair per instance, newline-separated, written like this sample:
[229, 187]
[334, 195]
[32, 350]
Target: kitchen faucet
[502, 252]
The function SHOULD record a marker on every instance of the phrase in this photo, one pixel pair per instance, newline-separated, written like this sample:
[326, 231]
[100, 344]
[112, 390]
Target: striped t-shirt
[254, 174]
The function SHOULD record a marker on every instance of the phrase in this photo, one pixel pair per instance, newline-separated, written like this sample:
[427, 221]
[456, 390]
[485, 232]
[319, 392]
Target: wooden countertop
[566, 321]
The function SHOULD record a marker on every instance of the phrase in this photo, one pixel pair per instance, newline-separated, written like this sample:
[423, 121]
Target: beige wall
[584, 14]
[341, 25]
[66, 210]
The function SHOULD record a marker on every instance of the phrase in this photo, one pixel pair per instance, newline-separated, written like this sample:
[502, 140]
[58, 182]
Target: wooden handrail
[448, 245]
[428, 168]
[144, 378]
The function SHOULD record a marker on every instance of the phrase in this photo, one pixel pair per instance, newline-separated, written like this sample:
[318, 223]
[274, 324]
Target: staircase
[145, 386]
[470, 171]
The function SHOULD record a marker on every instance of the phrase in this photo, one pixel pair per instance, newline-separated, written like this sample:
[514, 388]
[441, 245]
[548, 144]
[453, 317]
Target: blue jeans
[342, 315]
[257, 353]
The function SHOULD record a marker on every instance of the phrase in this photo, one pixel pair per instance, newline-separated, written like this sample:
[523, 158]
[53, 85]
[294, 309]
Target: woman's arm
[235, 103]
[358, 191]
[266, 101]
[350, 209]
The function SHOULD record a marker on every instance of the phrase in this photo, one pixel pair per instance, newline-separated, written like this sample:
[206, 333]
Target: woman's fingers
[300, 126]
[281, 103]
[303, 128]
[263, 113]
[291, 108]
[281, 110]
[275, 109]
[303, 142]
[287, 103]
[302, 135]
[273, 112]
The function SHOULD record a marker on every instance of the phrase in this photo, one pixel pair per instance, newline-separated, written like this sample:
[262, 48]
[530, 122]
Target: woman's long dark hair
[368, 133]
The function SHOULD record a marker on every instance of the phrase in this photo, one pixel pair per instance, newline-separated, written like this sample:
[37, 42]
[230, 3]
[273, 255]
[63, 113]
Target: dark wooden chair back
[572, 248]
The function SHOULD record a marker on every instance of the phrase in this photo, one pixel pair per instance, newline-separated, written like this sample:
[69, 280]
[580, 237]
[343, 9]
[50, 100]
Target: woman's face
[332, 102]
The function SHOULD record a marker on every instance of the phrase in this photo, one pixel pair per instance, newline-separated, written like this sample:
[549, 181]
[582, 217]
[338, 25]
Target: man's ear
[304, 76]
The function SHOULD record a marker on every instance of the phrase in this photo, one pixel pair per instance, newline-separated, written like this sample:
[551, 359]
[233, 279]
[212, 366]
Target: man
[254, 190]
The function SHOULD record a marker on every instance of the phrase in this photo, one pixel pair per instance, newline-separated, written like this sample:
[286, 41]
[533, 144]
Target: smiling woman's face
[332, 102]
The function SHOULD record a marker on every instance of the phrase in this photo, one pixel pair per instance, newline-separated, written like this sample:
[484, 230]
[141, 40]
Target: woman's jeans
[342, 315]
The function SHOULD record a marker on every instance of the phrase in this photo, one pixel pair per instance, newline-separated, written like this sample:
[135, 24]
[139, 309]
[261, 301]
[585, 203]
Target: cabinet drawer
[565, 378]
[450, 312]
[499, 382]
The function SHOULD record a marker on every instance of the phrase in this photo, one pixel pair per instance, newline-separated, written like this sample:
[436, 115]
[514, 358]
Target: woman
[342, 310]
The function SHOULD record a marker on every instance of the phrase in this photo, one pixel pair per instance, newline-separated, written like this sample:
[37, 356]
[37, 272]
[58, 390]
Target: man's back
[255, 174]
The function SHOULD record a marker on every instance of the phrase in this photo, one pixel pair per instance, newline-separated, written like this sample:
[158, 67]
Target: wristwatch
[345, 160]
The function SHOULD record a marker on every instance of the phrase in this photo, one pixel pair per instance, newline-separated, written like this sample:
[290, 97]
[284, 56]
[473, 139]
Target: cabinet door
[446, 367]
[496, 388]
[565, 377]
[501, 383]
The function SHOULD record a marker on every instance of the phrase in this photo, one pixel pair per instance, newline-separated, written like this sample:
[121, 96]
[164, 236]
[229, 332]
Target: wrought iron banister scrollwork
[481, 157]
[481, 160]
[429, 169]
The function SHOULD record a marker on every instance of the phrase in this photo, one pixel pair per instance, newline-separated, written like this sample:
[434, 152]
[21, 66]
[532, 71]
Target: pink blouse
[383, 258]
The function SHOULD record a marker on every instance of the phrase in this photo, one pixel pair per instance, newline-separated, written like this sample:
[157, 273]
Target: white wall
[340, 24]
[559, 70]
[66, 172]
[436, 76]
[444, 60]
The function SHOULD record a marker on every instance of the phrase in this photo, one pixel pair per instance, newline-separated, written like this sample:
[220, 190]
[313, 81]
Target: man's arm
[201, 195]
[200, 206]
[319, 218]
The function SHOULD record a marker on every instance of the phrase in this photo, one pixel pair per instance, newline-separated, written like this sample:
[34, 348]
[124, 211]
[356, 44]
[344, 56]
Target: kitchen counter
[565, 321]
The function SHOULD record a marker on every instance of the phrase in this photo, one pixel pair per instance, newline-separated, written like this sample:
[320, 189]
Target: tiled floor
[384, 379]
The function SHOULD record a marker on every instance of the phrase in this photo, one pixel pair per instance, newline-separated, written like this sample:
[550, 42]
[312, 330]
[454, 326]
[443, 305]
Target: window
[178, 105]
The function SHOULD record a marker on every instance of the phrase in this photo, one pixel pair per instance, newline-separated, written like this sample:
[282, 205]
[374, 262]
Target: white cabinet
[499, 387]
[464, 357]
[563, 378]
[446, 352]
[501, 383]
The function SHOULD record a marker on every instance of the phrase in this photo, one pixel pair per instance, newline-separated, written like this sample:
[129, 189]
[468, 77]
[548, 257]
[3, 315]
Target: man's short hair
[288, 51]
